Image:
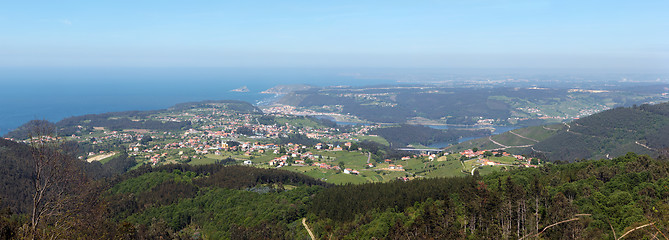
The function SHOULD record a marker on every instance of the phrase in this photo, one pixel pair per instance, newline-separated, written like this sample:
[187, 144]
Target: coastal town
[281, 138]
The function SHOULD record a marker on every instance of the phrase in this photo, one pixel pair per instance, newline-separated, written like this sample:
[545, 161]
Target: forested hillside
[600, 199]
[17, 166]
[641, 129]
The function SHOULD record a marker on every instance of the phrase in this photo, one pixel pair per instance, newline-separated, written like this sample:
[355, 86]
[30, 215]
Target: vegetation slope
[642, 129]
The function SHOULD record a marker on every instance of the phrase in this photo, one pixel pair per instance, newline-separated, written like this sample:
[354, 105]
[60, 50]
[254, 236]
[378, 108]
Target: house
[248, 162]
[347, 171]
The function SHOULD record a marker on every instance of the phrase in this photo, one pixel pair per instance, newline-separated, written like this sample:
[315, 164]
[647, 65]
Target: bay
[56, 93]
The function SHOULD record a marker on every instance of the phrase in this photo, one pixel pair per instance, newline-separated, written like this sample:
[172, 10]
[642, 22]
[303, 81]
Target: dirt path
[100, 157]
[521, 136]
[304, 222]
[495, 142]
[643, 145]
[503, 147]
[537, 150]
[548, 128]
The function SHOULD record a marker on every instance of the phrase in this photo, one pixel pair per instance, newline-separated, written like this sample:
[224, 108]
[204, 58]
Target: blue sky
[631, 35]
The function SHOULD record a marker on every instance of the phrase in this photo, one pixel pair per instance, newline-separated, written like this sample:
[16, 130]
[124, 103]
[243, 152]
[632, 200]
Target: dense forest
[595, 198]
[599, 199]
[17, 169]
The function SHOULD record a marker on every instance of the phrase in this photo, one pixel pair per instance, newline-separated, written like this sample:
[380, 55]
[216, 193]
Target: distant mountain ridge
[285, 89]
[528, 106]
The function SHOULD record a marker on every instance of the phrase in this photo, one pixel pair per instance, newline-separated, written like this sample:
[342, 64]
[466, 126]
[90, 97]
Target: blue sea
[56, 93]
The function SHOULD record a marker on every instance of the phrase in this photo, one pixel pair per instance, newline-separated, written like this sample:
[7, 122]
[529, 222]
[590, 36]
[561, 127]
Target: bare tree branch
[636, 228]
[658, 230]
[557, 223]
[614, 231]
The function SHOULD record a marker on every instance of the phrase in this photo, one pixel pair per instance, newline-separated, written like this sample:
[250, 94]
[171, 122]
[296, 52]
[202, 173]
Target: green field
[373, 139]
[443, 166]
[297, 122]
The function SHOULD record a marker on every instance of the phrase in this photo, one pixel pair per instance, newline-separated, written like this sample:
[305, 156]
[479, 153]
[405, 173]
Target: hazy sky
[433, 34]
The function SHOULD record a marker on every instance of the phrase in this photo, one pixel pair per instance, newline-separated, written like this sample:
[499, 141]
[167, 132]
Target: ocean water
[54, 94]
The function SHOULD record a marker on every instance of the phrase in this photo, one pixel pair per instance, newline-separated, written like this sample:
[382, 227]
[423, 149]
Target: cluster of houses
[212, 127]
[325, 166]
[393, 167]
[480, 154]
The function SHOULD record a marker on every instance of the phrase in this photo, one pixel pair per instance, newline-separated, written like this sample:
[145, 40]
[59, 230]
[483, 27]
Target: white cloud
[66, 21]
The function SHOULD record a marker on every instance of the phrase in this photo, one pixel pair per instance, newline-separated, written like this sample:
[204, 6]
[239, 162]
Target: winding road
[505, 146]
[521, 136]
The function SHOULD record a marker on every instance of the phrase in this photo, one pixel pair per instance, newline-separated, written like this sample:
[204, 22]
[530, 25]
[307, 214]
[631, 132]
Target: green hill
[518, 139]
[642, 129]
